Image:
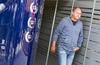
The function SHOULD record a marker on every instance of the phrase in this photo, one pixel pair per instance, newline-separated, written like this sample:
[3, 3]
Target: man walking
[70, 33]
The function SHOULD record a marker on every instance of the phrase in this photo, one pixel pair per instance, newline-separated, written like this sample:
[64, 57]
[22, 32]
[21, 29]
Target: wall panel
[64, 9]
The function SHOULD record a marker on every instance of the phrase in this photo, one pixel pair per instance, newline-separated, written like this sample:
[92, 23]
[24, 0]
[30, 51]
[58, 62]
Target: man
[70, 33]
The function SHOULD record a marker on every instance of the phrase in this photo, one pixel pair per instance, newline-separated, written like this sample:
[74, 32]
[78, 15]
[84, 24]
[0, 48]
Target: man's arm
[76, 49]
[57, 32]
[53, 47]
[80, 40]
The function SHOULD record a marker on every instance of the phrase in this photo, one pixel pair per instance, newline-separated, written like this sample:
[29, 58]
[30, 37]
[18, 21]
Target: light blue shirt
[70, 36]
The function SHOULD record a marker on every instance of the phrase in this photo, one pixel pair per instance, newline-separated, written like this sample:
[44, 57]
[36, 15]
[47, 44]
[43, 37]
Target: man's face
[76, 14]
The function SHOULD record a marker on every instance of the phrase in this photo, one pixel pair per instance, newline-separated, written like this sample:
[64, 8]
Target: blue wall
[20, 24]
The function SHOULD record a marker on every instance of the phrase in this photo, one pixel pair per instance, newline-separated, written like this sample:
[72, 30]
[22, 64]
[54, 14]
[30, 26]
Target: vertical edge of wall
[37, 31]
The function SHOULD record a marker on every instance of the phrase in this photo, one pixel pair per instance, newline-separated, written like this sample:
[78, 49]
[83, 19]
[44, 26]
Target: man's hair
[76, 8]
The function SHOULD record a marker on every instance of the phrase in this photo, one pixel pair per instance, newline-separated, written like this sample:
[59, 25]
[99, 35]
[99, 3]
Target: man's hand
[76, 49]
[53, 47]
[2, 6]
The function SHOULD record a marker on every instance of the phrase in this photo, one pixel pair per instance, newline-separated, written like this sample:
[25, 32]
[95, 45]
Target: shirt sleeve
[80, 39]
[58, 30]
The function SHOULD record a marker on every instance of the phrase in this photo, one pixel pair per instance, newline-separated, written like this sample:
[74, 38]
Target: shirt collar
[71, 20]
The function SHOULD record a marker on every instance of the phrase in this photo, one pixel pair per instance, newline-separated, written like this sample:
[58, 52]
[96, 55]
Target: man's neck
[73, 19]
